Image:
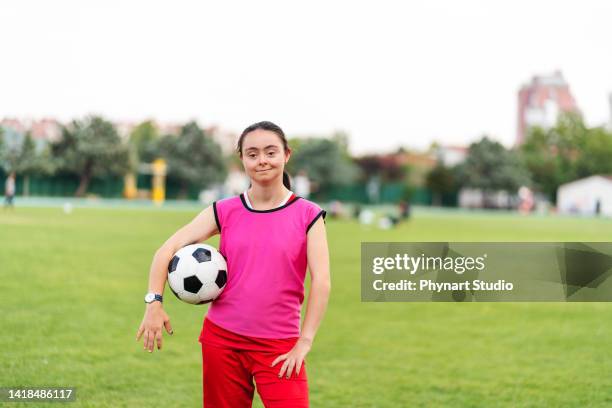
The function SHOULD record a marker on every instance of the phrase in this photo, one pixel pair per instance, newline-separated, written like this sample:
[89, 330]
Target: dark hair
[266, 125]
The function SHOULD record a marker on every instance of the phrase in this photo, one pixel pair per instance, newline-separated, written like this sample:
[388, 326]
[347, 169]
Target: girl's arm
[320, 281]
[320, 286]
[202, 227]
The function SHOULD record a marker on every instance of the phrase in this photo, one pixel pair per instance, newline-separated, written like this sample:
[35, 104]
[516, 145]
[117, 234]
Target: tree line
[92, 148]
[549, 158]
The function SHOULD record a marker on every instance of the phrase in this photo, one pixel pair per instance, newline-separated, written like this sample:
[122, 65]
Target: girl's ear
[288, 154]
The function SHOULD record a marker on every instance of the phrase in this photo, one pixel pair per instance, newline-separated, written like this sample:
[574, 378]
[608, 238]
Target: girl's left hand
[294, 358]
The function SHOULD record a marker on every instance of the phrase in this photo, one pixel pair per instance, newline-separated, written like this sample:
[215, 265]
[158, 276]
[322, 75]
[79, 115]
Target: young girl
[252, 330]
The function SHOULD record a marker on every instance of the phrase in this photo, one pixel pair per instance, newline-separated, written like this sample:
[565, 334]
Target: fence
[112, 187]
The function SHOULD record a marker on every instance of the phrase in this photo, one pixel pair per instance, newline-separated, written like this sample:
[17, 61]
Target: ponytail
[286, 180]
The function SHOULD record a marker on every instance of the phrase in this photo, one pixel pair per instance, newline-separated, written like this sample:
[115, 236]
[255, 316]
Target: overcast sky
[388, 73]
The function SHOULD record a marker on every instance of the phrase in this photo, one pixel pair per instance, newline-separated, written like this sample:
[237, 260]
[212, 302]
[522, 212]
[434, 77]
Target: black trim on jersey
[321, 213]
[216, 216]
[266, 211]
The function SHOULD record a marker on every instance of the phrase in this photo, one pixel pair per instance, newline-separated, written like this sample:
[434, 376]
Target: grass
[71, 301]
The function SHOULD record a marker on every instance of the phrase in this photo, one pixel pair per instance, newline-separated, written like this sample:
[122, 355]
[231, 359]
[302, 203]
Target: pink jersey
[266, 266]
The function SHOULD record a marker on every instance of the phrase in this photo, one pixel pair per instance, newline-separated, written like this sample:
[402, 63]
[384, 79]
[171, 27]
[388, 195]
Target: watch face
[149, 297]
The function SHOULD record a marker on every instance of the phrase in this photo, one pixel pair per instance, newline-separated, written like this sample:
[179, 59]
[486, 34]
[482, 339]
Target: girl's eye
[252, 156]
[271, 154]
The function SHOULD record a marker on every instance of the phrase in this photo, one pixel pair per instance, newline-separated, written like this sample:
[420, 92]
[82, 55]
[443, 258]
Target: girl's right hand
[155, 317]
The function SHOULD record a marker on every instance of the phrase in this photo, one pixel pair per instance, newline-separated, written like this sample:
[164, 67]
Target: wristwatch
[152, 297]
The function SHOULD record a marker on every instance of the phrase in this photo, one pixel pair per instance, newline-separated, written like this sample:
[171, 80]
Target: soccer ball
[197, 274]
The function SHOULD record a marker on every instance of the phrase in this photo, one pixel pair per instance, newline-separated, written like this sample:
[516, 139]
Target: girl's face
[264, 156]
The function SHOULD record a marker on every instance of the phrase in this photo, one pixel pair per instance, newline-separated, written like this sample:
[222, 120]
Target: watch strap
[156, 297]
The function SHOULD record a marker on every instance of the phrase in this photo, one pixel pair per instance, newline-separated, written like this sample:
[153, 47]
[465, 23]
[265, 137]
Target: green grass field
[71, 301]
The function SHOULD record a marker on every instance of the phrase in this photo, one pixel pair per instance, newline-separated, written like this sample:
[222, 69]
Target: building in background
[450, 156]
[419, 163]
[47, 130]
[541, 101]
[227, 140]
[43, 131]
[588, 196]
[14, 124]
[168, 128]
[125, 129]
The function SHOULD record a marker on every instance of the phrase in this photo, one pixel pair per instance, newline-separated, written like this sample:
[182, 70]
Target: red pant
[230, 361]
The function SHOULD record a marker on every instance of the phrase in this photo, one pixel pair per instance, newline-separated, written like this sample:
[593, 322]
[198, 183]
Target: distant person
[357, 211]
[336, 209]
[404, 210]
[302, 184]
[373, 189]
[526, 200]
[9, 190]
[393, 219]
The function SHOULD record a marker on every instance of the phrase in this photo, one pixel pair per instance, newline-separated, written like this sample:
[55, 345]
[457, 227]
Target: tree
[326, 161]
[144, 139]
[568, 137]
[490, 167]
[565, 152]
[386, 167]
[2, 150]
[90, 148]
[440, 180]
[32, 161]
[596, 154]
[193, 158]
[10, 149]
[540, 157]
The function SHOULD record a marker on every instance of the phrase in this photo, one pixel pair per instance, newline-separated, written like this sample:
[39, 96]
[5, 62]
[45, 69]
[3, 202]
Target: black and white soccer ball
[197, 274]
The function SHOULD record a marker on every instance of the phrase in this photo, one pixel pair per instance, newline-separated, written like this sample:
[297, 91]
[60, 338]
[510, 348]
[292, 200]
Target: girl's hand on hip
[294, 358]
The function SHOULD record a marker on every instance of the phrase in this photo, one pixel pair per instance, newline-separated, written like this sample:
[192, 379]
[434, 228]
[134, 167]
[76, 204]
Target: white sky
[389, 73]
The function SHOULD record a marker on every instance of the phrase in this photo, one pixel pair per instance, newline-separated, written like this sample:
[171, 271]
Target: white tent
[587, 196]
